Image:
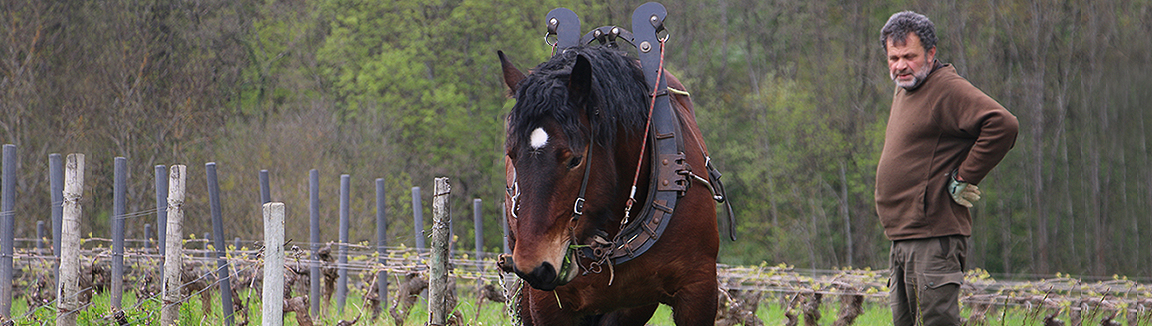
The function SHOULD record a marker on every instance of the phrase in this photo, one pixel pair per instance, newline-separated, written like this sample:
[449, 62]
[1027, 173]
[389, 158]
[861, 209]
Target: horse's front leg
[695, 303]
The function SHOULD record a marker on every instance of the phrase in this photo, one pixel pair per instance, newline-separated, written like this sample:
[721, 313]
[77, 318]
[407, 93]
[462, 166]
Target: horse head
[571, 147]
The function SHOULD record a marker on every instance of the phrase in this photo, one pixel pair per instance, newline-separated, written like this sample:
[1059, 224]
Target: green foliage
[792, 98]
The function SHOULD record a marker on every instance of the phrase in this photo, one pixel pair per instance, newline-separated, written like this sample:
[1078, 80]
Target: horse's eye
[574, 162]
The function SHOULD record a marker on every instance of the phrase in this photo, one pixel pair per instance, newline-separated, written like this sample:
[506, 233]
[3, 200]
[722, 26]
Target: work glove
[963, 193]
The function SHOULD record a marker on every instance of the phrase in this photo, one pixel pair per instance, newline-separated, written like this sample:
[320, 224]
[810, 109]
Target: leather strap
[667, 181]
[640, 235]
[578, 207]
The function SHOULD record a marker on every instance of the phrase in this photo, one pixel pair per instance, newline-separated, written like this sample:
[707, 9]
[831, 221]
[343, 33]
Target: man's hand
[962, 192]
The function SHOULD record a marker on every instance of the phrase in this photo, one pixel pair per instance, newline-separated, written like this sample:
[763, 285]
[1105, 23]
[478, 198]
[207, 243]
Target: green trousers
[925, 283]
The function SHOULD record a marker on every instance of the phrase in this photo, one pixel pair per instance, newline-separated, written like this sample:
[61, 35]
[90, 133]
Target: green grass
[490, 313]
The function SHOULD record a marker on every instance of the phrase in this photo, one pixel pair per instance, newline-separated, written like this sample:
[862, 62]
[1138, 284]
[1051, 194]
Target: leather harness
[669, 179]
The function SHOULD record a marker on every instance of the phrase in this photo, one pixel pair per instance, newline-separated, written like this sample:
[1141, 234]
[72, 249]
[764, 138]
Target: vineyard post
[342, 259]
[161, 183]
[148, 245]
[41, 234]
[7, 226]
[438, 271]
[68, 286]
[381, 242]
[173, 258]
[451, 234]
[56, 188]
[265, 192]
[314, 238]
[223, 275]
[236, 243]
[205, 239]
[119, 191]
[418, 219]
[504, 223]
[478, 227]
[273, 308]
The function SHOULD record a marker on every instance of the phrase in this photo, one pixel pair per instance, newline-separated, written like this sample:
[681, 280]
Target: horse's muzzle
[542, 277]
[545, 276]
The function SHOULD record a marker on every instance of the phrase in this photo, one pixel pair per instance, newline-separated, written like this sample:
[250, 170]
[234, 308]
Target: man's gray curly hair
[904, 22]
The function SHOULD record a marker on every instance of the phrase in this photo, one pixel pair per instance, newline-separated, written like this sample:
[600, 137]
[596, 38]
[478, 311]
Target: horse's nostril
[542, 277]
[545, 274]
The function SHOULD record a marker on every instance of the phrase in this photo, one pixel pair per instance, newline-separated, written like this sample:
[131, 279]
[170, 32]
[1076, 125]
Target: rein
[647, 127]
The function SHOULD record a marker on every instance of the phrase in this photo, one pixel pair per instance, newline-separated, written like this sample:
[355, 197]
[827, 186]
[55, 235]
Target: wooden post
[7, 228]
[381, 242]
[149, 240]
[207, 238]
[438, 278]
[119, 203]
[224, 276]
[41, 235]
[273, 309]
[418, 219]
[478, 227]
[265, 189]
[68, 289]
[314, 239]
[342, 257]
[161, 183]
[174, 254]
[56, 188]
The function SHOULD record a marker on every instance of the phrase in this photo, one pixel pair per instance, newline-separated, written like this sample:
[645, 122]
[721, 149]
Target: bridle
[577, 207]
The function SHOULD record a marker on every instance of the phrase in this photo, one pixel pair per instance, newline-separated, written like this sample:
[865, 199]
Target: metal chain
[512, 299]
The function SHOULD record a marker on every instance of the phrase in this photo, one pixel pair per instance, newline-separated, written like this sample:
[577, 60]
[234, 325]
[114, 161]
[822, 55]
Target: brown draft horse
[589, 105]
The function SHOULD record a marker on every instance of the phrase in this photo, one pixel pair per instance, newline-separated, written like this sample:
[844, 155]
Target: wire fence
[788, 285]
[36, 284]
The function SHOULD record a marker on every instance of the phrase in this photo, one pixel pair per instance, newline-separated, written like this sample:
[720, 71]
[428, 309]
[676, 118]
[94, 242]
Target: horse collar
[669, 173]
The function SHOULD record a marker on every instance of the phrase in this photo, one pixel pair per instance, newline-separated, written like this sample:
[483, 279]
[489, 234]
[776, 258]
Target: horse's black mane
[619, 97]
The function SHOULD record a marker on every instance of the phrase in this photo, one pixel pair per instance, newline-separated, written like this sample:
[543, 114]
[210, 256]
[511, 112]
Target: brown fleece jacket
[944, 125]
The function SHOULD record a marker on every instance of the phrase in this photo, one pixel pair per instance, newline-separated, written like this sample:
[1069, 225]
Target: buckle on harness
[578, 207]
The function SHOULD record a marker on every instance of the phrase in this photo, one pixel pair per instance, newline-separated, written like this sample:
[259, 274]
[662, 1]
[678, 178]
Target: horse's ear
[512, 76]
[580, 81]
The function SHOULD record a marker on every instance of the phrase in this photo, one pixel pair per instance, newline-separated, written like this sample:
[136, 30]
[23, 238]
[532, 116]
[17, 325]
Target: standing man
[943, 137]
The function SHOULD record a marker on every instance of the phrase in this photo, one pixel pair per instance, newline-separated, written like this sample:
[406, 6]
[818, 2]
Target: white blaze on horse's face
[538, 139]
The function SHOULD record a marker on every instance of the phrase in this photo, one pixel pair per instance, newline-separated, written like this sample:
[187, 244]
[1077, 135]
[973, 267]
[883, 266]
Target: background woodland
[792, 96]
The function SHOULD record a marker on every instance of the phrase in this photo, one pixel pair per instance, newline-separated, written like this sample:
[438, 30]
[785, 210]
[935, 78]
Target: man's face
[908, 62]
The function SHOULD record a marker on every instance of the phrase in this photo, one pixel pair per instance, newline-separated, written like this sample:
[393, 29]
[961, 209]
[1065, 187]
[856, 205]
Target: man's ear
[580, 81]
[512, 76]
[931, 56]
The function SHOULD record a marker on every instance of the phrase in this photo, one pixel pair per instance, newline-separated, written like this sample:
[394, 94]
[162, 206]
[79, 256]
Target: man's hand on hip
[963, 193]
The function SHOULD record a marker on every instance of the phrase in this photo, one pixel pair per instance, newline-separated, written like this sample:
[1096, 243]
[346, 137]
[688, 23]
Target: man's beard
[917, 78]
